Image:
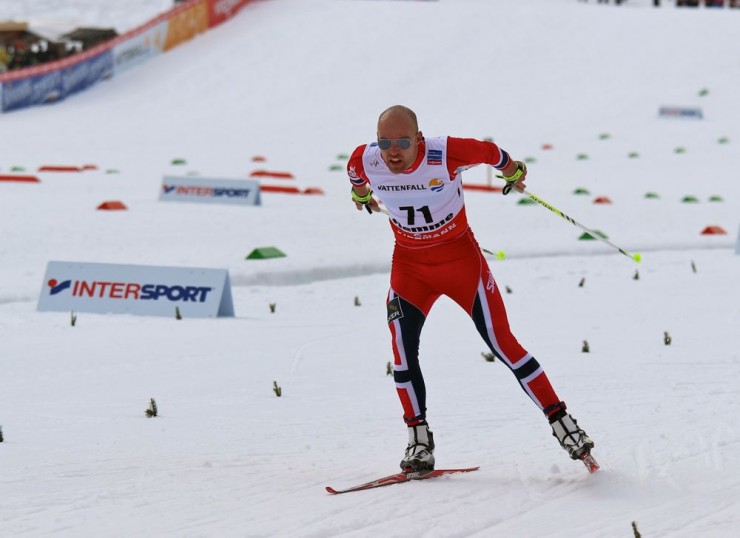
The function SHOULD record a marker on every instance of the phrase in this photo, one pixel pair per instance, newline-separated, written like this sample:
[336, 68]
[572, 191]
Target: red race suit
[436, 254]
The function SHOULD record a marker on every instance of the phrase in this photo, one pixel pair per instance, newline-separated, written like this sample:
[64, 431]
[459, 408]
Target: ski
[589, 461]
[399, 478]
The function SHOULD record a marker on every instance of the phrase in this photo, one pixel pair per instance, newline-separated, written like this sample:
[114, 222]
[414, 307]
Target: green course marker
[264, 253]
[585, 236]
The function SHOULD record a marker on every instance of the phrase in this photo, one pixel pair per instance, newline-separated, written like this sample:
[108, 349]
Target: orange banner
[186, 24]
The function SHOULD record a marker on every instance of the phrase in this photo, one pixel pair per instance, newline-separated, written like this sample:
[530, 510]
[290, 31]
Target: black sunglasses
[402, 143]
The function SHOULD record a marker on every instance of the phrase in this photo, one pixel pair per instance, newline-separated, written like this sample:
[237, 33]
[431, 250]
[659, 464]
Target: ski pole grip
[364, 200]
[521, 169]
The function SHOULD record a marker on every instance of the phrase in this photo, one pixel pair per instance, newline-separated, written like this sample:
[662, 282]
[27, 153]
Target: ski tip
[590, 463]
[592, 468]
[331, 490]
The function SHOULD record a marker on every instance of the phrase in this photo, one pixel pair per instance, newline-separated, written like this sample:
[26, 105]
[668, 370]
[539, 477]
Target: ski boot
[420, 450]
[572, 438]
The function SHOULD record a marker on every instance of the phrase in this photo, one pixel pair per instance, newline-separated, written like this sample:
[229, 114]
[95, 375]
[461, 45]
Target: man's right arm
[359, 181]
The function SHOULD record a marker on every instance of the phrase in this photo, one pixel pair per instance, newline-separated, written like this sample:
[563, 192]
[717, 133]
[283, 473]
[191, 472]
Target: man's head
[397, 127]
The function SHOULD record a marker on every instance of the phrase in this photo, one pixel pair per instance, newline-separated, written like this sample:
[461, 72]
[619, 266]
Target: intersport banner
[210, 190]
[53, 81]
[104, 288]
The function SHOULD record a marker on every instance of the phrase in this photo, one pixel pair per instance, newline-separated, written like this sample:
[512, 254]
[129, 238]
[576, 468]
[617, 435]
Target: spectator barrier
[54, 81]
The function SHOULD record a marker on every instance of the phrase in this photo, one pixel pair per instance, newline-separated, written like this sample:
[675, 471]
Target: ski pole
[500, 255]
[635, 257]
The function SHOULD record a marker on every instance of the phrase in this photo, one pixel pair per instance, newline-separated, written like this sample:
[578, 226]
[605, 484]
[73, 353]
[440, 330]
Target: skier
[419, 182]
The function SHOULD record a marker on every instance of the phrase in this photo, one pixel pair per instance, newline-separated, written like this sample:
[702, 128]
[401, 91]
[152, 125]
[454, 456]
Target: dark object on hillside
[22, 45]
[90, 37]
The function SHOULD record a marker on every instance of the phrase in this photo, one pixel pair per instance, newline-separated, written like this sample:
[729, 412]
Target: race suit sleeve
[355, 169]
[465, 152]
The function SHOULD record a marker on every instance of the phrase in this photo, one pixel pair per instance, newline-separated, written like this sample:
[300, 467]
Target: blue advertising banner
[86, 73]
[37, 90]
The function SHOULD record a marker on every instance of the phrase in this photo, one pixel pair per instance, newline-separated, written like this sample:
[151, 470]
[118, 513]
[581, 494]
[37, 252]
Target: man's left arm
[464, 152]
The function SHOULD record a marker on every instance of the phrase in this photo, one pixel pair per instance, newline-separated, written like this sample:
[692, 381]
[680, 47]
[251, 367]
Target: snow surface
[301, 82]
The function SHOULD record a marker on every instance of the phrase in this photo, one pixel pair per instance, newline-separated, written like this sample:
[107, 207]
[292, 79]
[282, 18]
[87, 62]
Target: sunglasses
[401, 143]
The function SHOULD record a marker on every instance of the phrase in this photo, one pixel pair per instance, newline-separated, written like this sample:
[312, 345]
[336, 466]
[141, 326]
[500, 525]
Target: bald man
[419, 182]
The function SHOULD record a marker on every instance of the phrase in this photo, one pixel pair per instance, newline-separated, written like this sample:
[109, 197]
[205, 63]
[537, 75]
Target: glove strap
[364, 200]
[521, 169]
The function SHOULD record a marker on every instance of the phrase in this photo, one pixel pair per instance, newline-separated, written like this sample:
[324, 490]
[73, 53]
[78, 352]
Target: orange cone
[112, 205]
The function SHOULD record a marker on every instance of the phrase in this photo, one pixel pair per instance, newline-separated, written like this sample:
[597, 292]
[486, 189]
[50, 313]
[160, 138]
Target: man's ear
[419, 137]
